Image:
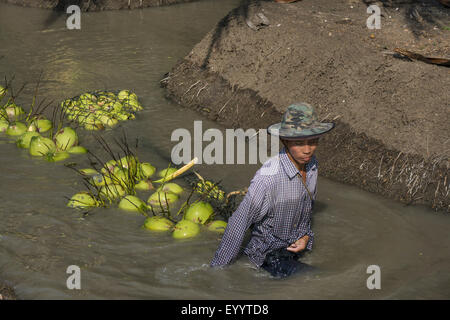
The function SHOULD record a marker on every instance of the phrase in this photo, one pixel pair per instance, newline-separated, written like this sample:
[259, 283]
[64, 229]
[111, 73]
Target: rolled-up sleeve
[252, 209]
[309, 245]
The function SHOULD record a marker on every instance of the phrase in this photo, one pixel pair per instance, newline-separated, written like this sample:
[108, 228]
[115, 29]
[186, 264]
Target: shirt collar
[290, 169]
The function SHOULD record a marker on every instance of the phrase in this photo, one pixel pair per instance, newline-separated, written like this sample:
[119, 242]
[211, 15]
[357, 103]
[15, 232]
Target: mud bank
[391, 115]
[94, 5]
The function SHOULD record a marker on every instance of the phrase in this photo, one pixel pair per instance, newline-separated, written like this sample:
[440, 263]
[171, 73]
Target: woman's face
[301, 150]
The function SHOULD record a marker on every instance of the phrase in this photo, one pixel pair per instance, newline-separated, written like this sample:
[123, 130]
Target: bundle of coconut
[33, 131]
[101, 109]
[119, 180]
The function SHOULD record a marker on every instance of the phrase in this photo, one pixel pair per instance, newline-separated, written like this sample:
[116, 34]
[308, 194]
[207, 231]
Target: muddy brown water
[40, 237]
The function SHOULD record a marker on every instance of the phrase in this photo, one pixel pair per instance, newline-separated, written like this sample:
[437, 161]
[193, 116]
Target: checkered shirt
[277, 208]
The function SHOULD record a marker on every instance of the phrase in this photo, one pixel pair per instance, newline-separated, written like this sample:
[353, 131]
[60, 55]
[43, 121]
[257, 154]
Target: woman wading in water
[279, 201]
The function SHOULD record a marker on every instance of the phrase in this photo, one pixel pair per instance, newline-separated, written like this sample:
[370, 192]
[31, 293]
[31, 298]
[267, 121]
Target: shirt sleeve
[309, 245]
[252, 209]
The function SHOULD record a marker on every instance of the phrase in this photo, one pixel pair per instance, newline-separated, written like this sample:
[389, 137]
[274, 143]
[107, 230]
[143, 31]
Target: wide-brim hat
[300, 122]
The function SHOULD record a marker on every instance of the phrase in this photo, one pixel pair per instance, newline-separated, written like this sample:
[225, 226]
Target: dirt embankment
[93, 5]
[392, 115]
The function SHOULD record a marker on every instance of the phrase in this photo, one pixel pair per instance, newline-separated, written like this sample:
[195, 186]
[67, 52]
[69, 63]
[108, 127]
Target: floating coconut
[109, 166]
[66, 138]
[100, 180]
[166, 172]
[16, 129]
[40, 146]
[112, 191]
[122, 177]
[185, 229]
[14, 112]
[108, 122]
[57, 156]
[132, 203]
[171, 187]
[123, 94]
[158, 199]
[94, 127]
[42, 125]
[213, 191]
[144, 185]
[3, 92]
[146, 170]
[199, 212]
[88, 172]
[25, 139]
[77, 150]
[82, 200]
[3, 125]
[217, 226]
[157, 223]
[129, 162]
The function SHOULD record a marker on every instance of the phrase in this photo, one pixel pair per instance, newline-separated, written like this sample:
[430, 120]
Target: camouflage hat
[299, 122]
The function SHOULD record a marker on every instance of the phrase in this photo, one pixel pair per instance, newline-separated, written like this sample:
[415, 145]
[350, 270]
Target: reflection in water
[40, 237]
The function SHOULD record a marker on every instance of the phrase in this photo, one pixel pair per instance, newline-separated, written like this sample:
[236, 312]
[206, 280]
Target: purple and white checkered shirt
[279, 208]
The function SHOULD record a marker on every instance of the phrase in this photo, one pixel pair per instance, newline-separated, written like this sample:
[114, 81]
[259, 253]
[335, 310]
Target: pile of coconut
[118, 181]
[100, 110]
[35, 132]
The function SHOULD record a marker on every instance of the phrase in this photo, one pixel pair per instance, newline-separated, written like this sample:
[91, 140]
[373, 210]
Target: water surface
[40, 237]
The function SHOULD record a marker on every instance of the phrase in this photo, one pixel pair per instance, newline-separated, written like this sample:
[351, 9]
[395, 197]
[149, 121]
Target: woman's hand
[299, 245]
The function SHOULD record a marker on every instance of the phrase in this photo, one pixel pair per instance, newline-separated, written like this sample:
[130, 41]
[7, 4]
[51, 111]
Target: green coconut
[40, 146]
[82, 200]
[16, 129]
[157, 223]
[199, 212]
[130, 116]
[122, 177]
[3, 125]
[32, 128]
[109, 166]
[88, 172]
[112, 191]
[121, 116]
[135, 105]
[42, 125]
[77, 150]
[213, 191]
[171, 187]
[25, 139]
[129, 162]
[3, 92]
[217, 226]
[94, 127]
[123, 94]
[163, 197]
[57, 156]
[166, 172]
[14, 112]
[66, 138]
[108, 122]
[117, 107]
[185, 229]
[144, 185]
[146, 169]
[132, 203]
[100, 180]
